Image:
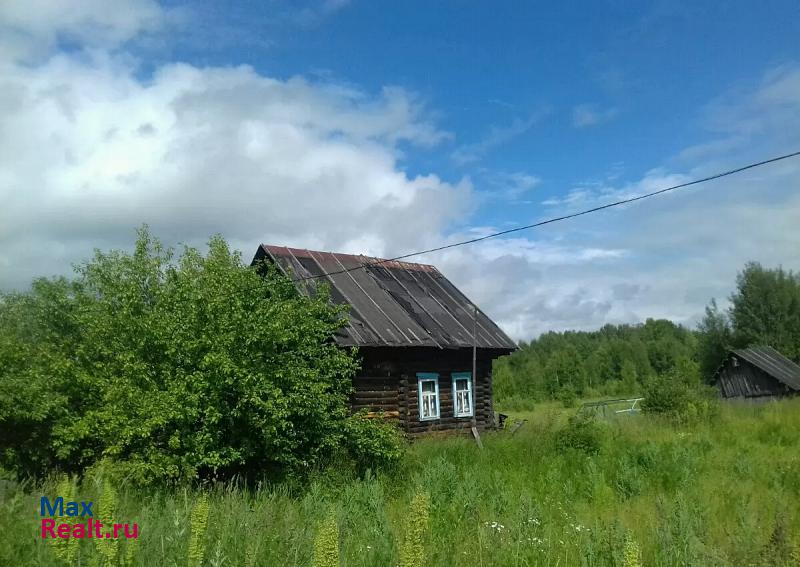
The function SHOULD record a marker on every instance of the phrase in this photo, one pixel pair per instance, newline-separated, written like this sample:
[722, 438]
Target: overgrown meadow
[638, 490]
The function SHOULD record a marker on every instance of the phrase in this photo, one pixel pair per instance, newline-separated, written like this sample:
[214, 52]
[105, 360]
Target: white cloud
[32, 28]
[585, 115]
[89, 151]
[596, 194]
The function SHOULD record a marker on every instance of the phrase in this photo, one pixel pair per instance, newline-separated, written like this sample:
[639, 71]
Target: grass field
[720, 493]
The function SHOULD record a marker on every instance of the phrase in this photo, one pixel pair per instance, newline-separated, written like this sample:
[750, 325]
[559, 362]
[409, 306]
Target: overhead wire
[552, 220]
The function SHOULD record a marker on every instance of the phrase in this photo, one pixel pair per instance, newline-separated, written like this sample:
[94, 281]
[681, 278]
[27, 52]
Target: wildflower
[412, 550]
[326, 543]
[130, 552]
[199, 523]
[108, 547]
[631, 555]
[496, 526]
[66, 549]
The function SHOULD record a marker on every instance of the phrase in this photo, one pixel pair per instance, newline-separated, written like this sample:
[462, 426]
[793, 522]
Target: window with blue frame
[428, 390]
[462, 394]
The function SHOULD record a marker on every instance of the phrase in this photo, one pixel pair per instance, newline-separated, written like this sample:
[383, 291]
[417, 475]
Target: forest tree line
[618, 360]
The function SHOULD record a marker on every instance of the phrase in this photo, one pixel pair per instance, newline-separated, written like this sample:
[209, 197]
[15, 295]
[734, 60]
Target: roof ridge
[372, 259]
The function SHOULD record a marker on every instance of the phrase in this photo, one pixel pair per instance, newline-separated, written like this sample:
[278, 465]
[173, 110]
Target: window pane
[428, 398]
[462, 384]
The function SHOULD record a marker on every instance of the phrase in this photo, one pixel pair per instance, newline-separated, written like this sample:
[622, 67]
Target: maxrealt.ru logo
[92, 528]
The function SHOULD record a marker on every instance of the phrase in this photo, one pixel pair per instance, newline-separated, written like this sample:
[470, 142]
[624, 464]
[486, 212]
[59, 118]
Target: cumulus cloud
[89, 150]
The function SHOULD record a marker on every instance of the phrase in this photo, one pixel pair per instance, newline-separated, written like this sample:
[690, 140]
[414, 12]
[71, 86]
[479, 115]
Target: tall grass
[720, 493]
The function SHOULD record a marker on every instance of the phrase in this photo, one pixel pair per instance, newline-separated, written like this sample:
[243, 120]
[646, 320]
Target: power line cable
[555, 219]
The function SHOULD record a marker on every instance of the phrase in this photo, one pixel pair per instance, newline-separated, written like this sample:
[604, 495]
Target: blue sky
[522, 71]
[387, 127]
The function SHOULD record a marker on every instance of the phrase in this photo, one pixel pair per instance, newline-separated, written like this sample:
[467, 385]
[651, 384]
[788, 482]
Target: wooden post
[475, 433]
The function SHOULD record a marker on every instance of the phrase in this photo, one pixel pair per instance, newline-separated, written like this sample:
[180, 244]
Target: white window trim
[460, 376]
[426, 377]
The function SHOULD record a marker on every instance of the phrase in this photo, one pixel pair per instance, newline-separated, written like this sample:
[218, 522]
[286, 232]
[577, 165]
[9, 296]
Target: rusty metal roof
[391, 303]
[773, 363]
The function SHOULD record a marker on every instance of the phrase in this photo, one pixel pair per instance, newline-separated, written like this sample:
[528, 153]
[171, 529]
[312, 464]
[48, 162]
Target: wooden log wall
[389, 383]
[376, 394]
[747, 381]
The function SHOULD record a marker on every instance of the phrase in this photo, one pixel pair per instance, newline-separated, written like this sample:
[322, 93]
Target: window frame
[460, 376]
[428, 377]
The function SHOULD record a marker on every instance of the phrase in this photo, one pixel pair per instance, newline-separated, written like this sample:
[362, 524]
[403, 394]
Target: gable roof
[773, 363]
[391, 303]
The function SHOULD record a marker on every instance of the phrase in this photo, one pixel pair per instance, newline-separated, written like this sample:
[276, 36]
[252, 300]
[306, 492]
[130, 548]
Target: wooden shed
[414, 331]
[758, 372]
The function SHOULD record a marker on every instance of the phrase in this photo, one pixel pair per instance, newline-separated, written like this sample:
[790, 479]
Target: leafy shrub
[372, 443]
[678, 400]
[581, 433]
[176, 369]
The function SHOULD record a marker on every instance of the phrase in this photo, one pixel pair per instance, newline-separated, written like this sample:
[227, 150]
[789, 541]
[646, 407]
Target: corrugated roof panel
[388, 280]
[301, 265]
[418, 285]
[489, 334]
[391, 303]
[376, 291]
[374, 314]
[773, 363]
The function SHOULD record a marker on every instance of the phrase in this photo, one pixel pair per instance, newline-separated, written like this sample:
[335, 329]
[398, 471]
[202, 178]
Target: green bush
[372, 443]
[678, 400]
[581, 433]
[176, 369]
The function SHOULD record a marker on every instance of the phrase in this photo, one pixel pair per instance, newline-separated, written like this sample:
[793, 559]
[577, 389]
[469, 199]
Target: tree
[765, 309]
[629, 377]
[714, 341]
[564, 370]
[177, 368]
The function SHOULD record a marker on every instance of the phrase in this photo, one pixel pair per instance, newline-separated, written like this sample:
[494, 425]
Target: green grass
[719, 493]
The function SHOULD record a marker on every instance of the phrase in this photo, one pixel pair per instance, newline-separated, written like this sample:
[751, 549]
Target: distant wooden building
[758, 372]
[414, 333]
